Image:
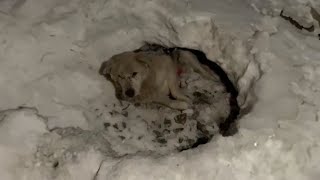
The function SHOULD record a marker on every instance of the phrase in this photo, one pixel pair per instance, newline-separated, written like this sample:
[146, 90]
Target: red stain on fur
[179, 71]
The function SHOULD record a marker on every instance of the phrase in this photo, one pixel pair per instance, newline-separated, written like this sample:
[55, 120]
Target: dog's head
[126, 71]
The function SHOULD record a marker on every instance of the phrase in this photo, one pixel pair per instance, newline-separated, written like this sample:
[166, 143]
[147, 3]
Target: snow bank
[20, 132]
[305, 12]
[50, 54]
[240, 158]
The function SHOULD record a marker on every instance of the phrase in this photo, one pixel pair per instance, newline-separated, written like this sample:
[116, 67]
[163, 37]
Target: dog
[145, 78]
[151, 77]
[184, 58]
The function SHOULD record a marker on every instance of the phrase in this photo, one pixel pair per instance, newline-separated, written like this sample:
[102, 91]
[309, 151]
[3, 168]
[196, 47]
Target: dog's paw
[185, 98]
[180, 105]
[188, 100]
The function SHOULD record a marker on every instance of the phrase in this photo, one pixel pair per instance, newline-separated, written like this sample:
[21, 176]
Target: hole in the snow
[214, 106]
[228, 126]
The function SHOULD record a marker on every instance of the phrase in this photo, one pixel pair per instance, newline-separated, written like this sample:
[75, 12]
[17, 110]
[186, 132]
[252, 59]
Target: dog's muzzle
[130, 92]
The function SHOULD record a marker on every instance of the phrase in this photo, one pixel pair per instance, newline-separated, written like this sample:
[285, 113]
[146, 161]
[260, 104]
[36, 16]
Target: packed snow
[50, 53]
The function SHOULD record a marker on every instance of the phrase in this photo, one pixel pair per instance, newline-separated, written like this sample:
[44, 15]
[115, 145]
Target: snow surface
[49, 58]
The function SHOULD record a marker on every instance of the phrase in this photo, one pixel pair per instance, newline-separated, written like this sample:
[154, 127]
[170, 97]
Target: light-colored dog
[187, 61]
[146, 77]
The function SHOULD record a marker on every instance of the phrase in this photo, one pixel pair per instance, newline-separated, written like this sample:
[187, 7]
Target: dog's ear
[105, 69]
[144, 60]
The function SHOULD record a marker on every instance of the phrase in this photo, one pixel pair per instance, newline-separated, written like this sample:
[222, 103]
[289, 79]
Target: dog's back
[162, 68]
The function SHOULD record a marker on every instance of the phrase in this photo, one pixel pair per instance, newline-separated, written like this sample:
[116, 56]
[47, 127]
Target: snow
[50, 52]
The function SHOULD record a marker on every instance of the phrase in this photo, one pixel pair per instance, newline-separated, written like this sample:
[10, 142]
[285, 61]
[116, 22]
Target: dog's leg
[190, 59]
[208, 73]
[175, 91]
[174, 104]
[163, 100]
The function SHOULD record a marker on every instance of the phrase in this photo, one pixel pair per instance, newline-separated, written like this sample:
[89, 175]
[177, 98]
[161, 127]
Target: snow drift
[50, 54]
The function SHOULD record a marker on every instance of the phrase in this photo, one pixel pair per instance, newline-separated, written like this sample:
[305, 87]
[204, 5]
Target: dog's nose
[130, 92]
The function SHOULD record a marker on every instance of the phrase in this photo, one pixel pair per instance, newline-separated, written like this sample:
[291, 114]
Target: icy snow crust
[49, 58]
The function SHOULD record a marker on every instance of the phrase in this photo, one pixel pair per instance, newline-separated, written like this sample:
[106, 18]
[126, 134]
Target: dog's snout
[130, 92]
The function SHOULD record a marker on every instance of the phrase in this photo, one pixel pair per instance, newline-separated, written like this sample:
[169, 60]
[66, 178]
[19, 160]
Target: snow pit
[49, 81]
[214, 110]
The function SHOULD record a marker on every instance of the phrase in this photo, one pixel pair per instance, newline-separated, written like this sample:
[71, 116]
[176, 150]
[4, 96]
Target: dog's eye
[134, 74]
[120, 77]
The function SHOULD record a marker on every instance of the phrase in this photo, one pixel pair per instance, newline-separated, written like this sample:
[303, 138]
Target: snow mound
[67, 41]
[50, 53]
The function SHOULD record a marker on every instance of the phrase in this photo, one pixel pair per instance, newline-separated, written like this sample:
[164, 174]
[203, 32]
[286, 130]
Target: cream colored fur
[146, 77]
